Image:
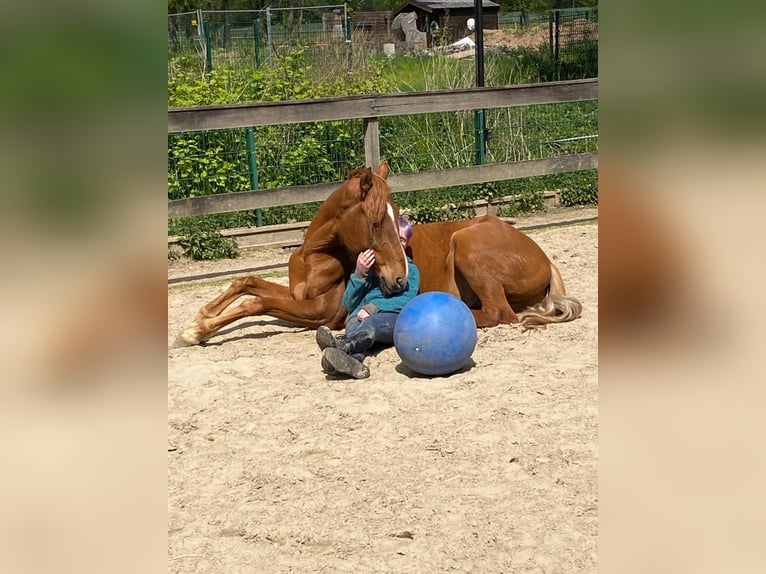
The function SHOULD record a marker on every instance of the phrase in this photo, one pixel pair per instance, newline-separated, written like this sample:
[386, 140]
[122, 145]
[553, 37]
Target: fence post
[557, 42]
[253, 165]
[257, 42]
[269, 39]
[347, 35]
[208, 46]
[479, 121]
[481, 140]
[550, 33]
[372, 142]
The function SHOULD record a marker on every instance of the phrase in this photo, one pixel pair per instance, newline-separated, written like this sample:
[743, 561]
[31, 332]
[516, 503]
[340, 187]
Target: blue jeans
[377, 329]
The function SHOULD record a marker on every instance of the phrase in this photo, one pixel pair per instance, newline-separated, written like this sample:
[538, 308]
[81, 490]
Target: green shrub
[431, 213]
[529, 201]
[201, 240]
[580, 188]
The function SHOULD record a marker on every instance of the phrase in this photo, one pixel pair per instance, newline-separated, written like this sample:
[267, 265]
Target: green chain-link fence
[573, 38]
[206, 39]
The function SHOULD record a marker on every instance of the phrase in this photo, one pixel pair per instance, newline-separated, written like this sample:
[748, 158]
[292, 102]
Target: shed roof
[431, 5]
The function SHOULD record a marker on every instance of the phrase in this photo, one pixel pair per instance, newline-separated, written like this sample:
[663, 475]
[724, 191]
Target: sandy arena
[273, 467]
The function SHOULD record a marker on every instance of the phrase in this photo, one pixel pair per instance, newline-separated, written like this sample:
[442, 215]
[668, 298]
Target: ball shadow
[403, 369]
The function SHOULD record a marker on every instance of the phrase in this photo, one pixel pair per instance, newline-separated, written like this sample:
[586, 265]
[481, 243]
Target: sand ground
[273, 467]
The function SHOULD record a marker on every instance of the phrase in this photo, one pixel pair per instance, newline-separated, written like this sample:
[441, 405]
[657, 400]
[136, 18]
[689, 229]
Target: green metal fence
[205, 39]
[573, 40]
[521, 19]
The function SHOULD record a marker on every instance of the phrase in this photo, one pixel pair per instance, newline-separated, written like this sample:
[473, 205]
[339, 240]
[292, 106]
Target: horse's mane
[364, 187]
[373, 192]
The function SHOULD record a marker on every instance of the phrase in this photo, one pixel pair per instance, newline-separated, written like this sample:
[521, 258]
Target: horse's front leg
[269, 299]
[325, 309]
[201, 329]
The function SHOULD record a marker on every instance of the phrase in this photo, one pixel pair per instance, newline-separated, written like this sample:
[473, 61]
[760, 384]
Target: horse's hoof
[180, 343]
[187, 338]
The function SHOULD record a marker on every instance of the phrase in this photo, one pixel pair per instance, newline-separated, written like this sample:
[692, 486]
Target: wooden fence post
[371, 142]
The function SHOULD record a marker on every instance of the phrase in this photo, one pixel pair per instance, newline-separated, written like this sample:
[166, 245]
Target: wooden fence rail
[370, 108]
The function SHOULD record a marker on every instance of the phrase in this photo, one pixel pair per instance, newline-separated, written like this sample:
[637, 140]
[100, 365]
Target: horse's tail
[556, 307]
[556, 286]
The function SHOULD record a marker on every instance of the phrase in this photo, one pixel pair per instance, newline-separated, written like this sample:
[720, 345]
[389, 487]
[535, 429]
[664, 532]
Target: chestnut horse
[358, 215]
[500, 273]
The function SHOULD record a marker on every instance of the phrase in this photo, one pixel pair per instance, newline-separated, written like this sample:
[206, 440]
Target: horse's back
[485, 233]
[452, 255]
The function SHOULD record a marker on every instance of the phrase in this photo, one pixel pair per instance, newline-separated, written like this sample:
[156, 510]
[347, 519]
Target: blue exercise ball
[435, 334]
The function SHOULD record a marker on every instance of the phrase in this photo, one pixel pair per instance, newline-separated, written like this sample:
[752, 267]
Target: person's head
[405, 231]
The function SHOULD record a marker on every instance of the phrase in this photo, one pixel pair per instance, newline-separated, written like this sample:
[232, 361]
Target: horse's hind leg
[494, 305]
[201, 328]
[479, 276]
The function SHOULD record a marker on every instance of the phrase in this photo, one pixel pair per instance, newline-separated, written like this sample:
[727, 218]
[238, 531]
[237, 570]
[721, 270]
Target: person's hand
[364, 262]
[362, 314]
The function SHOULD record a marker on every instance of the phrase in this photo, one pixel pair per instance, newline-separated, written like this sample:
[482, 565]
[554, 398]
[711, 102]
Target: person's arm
[356, 289]
[358, 286]
[398, 301]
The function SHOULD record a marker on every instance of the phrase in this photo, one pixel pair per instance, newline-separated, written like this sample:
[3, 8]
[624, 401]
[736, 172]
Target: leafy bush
[525, 203]
[579, 188]
[201, 240]
[430, 213]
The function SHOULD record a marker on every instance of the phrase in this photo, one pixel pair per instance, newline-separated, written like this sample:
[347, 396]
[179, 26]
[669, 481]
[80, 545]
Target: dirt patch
[530, 37]
[578, 31]
[272, 467]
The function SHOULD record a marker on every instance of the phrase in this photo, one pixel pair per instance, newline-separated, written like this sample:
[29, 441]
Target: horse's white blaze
[390, 211]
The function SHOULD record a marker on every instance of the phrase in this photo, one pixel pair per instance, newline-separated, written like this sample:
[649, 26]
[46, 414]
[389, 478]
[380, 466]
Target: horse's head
[371, 223]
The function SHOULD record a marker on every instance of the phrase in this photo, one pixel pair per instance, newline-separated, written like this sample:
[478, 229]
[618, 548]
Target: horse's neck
[331, 209]
[322, 235]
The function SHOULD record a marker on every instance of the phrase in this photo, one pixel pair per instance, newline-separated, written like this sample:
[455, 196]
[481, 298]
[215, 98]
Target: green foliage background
[217, 162]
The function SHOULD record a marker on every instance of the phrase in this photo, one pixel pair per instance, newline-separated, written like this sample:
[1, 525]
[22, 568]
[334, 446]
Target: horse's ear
[365, 181]
[383, 170]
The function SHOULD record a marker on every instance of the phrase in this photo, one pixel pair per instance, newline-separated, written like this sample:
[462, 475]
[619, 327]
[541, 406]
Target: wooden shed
[450, 16]
[373, 27]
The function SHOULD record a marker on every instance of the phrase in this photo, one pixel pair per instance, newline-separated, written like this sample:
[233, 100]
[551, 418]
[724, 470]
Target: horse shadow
[220, 337]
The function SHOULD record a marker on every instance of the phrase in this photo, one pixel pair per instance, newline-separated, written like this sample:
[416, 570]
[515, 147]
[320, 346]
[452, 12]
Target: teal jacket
[366, 293]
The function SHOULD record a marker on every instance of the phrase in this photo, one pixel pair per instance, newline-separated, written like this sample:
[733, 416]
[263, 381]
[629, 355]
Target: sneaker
[344, 344]
[327, 367]
[324, 338]
[340, 362]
